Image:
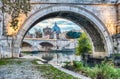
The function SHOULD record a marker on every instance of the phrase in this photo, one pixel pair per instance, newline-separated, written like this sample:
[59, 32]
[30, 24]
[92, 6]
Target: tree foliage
[73, 34]
[84, 45]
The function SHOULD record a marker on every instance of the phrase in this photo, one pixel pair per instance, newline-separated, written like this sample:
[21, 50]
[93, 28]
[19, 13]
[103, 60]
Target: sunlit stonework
[59, 39]
[99, 18]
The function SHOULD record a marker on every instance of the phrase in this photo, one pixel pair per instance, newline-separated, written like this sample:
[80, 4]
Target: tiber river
[58, 57]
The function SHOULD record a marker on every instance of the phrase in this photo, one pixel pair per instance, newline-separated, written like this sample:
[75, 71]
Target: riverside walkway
[60, 68]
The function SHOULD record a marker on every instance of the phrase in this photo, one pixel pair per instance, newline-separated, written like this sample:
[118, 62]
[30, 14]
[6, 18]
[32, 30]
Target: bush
[78, 65]
[103, 71]
[106, 70]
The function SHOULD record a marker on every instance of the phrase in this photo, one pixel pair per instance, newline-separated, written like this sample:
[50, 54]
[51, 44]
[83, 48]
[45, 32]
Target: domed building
[56, 31]
[53, 32]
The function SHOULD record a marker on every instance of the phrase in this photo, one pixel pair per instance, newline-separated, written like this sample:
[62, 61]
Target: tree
[84, 45]
[73, 34]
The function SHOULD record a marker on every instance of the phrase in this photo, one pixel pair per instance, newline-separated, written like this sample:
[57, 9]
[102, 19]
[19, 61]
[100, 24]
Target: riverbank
[28, 69]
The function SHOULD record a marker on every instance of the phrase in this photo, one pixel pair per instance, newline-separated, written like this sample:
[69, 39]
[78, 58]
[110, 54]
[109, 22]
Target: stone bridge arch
[26, 44]
[34, 42]
[47, 44]
[95, 28]
[35, 45]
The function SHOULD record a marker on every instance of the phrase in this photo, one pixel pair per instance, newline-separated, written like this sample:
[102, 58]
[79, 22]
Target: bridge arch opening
[89, 22]
[46, 45]
[25, 44]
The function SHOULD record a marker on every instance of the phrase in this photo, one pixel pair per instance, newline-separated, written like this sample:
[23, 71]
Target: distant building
[47, 32]
[29, 35]
[38, 33]
[56, 31]
[52, 33]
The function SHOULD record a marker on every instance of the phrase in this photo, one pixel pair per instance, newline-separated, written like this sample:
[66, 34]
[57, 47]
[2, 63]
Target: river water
[59, 57]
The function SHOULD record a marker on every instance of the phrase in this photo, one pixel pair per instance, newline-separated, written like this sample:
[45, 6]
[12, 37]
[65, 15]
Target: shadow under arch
[46, 44]
[25, 44]
[94, 27]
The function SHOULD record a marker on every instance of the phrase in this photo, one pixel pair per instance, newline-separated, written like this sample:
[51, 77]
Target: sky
[64, 24]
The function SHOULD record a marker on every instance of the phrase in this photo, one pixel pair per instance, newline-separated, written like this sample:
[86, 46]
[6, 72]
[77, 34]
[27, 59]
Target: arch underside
[82, 21]
[46, 44]
[25, 44]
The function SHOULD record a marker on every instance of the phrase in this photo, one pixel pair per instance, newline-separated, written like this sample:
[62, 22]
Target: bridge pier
[7, 50]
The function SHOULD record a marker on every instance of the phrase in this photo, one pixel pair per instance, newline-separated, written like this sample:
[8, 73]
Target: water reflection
[58, 57]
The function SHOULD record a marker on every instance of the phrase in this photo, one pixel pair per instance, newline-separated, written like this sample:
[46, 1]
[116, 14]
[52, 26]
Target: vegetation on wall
[14, 8]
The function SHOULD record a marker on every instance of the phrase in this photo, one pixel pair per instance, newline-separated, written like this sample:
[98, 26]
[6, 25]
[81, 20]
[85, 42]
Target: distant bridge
[34, 44]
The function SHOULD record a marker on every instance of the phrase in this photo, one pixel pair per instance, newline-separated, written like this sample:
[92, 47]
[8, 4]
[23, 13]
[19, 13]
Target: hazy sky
[64, 24]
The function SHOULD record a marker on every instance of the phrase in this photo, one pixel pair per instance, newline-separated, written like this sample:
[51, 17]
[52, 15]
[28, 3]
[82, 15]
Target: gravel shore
[24, 70]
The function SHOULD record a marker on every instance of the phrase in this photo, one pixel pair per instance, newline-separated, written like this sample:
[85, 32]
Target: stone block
[99, 54]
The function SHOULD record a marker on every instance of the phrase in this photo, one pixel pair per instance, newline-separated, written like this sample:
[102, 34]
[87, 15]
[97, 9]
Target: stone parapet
[76, 1]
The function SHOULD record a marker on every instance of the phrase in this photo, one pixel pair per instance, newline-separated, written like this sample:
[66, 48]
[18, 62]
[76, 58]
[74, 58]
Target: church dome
[56, 29]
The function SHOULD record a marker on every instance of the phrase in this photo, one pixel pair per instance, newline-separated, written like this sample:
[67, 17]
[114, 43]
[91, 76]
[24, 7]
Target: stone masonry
[102, 15]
